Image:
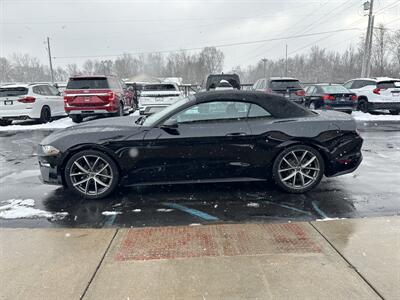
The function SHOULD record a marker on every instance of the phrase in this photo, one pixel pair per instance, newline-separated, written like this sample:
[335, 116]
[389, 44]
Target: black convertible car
[210, 137]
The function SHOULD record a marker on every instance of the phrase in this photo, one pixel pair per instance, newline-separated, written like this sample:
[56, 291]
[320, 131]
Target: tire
[394, 112]
[91, 174]
[76, 118]
[363, 105]
[292, 175]
[45, 115]
[312, 105]
[120, 112]
[5, 122]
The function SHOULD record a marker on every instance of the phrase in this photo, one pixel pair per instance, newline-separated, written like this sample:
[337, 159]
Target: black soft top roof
[278, 106]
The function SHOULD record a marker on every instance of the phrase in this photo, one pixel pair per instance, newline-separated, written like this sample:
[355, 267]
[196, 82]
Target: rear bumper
[90, 112]
[384, 105]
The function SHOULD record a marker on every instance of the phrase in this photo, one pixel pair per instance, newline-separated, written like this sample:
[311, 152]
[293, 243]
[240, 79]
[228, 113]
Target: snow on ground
[111, 213]
[24, 208]
[66, 122]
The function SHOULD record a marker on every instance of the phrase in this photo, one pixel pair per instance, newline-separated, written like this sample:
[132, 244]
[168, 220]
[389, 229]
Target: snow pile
[360, 116]
[253, 204]
[27, 125]
[24, 209]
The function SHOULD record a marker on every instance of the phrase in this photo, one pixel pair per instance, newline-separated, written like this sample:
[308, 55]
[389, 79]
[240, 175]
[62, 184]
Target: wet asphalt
[372, 190]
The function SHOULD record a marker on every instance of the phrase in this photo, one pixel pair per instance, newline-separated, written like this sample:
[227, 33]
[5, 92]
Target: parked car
[40, 102]
[96, 95]
[331, 97]
[289, 88]
[214, 80]
[157, 96]
[376, 93]
[136, 88]
[208, 137]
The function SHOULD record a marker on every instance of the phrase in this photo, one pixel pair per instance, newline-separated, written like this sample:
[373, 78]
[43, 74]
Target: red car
[102, 95]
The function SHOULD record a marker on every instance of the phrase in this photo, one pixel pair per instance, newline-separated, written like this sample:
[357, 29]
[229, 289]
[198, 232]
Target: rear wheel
[76, 118]
[394, 111]
[45, 115]
[312, 105]
[91, 174]
[298, 169]
[363, 105]
[5, 122]
[120, 111]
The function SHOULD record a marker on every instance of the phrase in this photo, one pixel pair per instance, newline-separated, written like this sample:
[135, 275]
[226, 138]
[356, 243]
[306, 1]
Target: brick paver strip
[214, 240]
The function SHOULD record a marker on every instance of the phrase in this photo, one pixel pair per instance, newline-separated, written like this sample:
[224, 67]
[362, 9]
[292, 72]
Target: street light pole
[50, 62]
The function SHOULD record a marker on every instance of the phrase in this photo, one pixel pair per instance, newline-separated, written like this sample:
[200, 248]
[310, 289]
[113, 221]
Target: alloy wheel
[299, 169]
[91, 175]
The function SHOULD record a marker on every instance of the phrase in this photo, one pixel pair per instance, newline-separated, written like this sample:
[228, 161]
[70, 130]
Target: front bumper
[384, 105]
[49, 172]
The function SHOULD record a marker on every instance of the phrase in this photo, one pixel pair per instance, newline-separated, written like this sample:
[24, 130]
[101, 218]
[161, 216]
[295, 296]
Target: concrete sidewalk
[341, 259]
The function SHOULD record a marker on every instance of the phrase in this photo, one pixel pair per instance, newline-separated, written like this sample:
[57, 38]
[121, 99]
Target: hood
[97, 131]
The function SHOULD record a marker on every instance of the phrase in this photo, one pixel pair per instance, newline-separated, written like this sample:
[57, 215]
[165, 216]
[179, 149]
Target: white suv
[30, 101]
[376, 93]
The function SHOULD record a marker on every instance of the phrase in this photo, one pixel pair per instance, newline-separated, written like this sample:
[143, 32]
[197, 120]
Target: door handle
[236, 134]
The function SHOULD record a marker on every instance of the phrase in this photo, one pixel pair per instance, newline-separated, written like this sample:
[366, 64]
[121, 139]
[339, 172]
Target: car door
[55, 101]
[209, 141]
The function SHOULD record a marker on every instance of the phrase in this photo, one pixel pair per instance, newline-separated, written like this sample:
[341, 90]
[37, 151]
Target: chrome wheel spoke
[286, 161]
[80, 167]
[100, 182]
[290, 176]
[287, 169]
[303, 156]
[95, 163]
[87, 162]
[308, 176]
[295, 157]
[302, 179]
[82, 181]
[102, 169]
[309, 162]
[104, 175]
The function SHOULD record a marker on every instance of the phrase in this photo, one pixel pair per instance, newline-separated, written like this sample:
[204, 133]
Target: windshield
[153, 119]
[334, 89]
[285, 84]
[388, 84]
[159, 87]
[87, 83]
[13, 91]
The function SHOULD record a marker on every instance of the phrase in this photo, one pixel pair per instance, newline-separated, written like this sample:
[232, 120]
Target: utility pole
[264, 60]
[368, 40]
[50, 62]
[286, 64]
[371, 35]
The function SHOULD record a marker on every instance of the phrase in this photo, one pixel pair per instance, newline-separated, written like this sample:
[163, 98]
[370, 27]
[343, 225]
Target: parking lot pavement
[341, 259]
[372, 190]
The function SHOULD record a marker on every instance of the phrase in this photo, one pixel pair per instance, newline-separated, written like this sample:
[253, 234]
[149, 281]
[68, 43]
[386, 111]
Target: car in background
[136, 88]
[157, 96]
[287, 87]
[38, 101]
[330, 97]
[380, 93]
[101, 95]
[216, 136]
[214, 80]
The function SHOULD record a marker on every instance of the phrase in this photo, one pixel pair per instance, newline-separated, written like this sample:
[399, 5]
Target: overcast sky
[81, 29]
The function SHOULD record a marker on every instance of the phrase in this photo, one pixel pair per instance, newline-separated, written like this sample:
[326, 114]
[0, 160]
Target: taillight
[353, 97]
[328, 97]
[377, 91]
[111, 96]
[27, 100]
[300, 93]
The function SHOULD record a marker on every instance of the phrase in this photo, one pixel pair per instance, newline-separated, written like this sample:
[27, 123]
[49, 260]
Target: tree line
[317, 65]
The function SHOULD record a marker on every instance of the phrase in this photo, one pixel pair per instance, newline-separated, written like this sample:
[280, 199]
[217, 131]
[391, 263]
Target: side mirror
[170, 124]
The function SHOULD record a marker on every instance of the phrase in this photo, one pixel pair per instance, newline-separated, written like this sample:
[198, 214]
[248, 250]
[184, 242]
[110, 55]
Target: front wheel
[298, 169]
[4, 122]
[91, 174]
[394, 112]
[363, 105]
[45, 115]
[76, 118]
[312, 106]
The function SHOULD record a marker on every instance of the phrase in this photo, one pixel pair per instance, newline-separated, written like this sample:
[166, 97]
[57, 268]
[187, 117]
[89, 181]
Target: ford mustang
[220, 136]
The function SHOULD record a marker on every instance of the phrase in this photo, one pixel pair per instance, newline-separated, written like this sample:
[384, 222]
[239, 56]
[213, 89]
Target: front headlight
[50, 150]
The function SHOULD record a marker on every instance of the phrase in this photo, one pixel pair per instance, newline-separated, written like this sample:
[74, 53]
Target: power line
[217, 46]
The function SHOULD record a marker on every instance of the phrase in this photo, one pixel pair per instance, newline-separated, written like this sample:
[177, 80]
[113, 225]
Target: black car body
[330, 97]
[209, 137]
[287, 87]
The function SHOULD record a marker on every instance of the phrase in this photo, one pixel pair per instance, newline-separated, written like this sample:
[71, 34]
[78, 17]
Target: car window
[13, 91]
[46, 90]
[160, 87]
[311, 90]
[213, 111]
[367, 83]
[348, 84]
[284, 84]
[87, 83]
[257, 111]
[332, 89]
[357, 84]
[39, 90]
[390, 84]
[53, 90]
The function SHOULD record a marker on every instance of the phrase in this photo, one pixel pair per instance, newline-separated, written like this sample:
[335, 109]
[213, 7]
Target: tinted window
[348, 84]
[46, 90]
[213, 111]
[159, 87]
[87, 83]
[257, 111]
[53, 90]
[332, 89]
[13, 91]
[39, 90]
[388, 84]
[285, 84]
